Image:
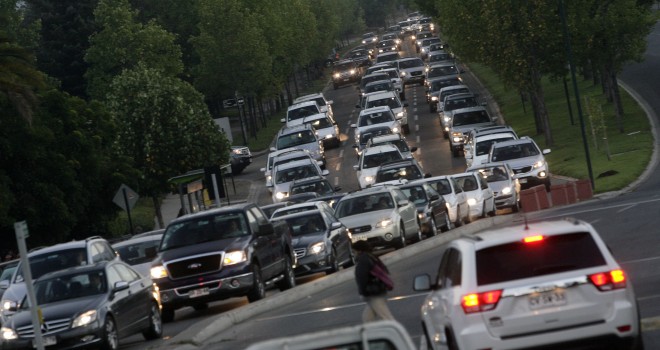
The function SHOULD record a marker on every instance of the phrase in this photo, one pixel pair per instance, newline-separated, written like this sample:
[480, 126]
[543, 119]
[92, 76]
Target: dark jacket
[367, 284]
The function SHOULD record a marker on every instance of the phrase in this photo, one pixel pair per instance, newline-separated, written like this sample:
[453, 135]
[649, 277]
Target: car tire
[289, 280]
[419, 237]
[432, 109]
[459, 219]
[334, 262]
[445, 135]
[454, 152]
[447, 225]
[335, 86]
[401, 242]
[433, 230]
[167, 314]
[547, 184]
[493, 211]
[155, 328]
[451, 341]
[258, 290]
[484, 213]
[110, 340]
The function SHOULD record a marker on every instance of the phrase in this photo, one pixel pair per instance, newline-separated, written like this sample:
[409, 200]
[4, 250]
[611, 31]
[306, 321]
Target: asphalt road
[627, 222]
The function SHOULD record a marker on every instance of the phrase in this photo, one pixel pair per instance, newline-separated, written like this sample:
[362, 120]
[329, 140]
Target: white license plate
[547, 299]
[522, 181]
[198, 292]
[48, 341]
[359, 238]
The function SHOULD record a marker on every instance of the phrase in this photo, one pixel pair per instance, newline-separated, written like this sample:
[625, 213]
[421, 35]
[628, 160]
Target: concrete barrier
[584, 190]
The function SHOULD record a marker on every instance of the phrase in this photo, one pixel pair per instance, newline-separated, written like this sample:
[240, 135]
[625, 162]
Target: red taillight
[532, 239]
[605, 281]
[481, 302]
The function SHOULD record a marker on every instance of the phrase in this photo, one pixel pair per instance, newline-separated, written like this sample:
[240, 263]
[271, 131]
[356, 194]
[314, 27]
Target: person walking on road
[373, 292]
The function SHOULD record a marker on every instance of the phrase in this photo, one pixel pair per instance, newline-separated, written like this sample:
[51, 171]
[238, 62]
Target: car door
[262, 244]
[137, 298]
[437, 203]
[407, 212]
[338, 236]
[461, 198]
[121, 305]
[486, 193]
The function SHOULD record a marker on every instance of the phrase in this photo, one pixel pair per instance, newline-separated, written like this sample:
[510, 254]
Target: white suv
[525, 158]
[549, 284]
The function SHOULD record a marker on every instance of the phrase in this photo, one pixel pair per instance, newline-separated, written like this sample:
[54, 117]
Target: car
[50, 259]
[300, 207]
[377, 86]
[480, 197]
[302, 197]
[281, 157]
[321, 242]
[88, 306]
[395, 77]
[452, 103]
[439, 70]
[325, 106]
[269, 209]
[500, 178]
[326, 130]
[240, 158]
[412, 70]
[424, 46]
[391, 100]
[478, 142]
[331, 199]
[317, 184]
[436, 100]
[296, 113]
[361, 57]
[398, 170]
[432, 210]
[302, 137]
[434, 86]
[369, 38]
[389, 45]
[345, 72]
[393, 34]
[436, 47]
[139, 252]
[284, 175]
[418, 37]
[387, 57]
[371, 159]
[379, 66]
[382, 216]
[396, 139]
[439, 57]
[376, 76]
[218, 254]
[550, 284]
[463, 121]
[367, 134]
[459, 210]
[376, 116]
[525, 158]
[7, 269]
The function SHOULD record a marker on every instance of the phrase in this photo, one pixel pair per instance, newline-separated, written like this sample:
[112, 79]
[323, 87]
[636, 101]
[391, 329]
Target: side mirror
[413, 149]
[330, 102]
[282, 120]
[356, 167]
[355, 145]
[119, 286]
[428, 175]
[263, 170]
[357, 106]
[434, 197]
[325, 172]
[273, 149]
[4, 284]
[353, 125]
[468, 155]
[337, 188]
[422, 283]
[265, 229]
[402, 202]
[335, 225]
[546, 151]
[405, 104]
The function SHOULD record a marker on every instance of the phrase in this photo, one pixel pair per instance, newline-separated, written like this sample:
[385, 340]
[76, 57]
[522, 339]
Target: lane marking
[594, 221]
[341, 153]
[635, 261]
[626, 208]
[336, 181]
[338, 166]
[600, 209]
[418, 141]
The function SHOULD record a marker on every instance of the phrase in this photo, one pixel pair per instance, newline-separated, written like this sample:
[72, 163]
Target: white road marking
[416, 127]
[643, 260]
[336, 181]
[650, 324]
[416, 117]
[418, 140]
[626, 208]
[594, 221]
[601, 208]
[341, 153]
[338, 167]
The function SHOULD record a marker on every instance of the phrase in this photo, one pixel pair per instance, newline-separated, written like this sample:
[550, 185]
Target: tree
[165, 128]
[123, 43]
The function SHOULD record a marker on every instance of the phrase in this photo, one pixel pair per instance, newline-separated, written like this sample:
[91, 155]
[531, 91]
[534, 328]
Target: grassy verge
[629, 152]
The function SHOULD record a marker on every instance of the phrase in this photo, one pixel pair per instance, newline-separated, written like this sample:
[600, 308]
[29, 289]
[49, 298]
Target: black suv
[50, 259]
[222, 253]
[345, 72]
[240, 158]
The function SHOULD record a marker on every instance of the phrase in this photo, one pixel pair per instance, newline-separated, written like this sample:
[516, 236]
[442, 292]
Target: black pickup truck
[222, 253]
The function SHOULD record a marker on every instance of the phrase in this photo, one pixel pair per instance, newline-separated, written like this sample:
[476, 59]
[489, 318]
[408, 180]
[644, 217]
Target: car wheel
[432, 108]
[401, 243]
[155, 329]
[454, 152]
[200, 307]
[167, 314]
[445, 135]
[483, 210]
[547, 185]
[289, 280]
[447, 225]
[459, 219]
[451, 342]
[335, 86]
[493, 211]
[351, 258]
[433, 230]
[258, 291]
[334, 263]
[418, 238]
[110, 339]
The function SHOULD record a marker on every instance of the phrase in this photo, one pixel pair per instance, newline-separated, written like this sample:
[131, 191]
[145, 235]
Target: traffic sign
[240, 101]
[229, 103]
[131, 197]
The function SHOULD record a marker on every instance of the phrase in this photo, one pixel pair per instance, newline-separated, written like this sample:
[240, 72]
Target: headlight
[235, 257]
[337, 75]
[9, 305]
[317, 248]
[269, 178]
[421, 215]
[281, 195]
[434, 98]
[395, 130]
[364, 41]
[413, 37]
[403, 74]
[446, 128]
[447, 119]
[399, 115]
[236, 151]
[398, 41]
[457, 139]
[369, 179]
[8, 333]
[328, 136]
[506, 190]
[471, 201]
[384, 223]
[158, 272]
[352, 71]
[84, 319]
[539, 164]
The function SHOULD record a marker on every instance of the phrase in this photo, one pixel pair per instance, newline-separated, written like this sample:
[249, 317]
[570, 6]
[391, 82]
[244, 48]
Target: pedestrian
[373, 292]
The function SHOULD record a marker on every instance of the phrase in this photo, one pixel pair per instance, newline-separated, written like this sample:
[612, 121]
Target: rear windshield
[467, 118]
[58, 260]
[522, 150]
[554, 254]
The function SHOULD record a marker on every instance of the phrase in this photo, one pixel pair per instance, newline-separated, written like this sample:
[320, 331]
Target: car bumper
[75, 338]
[527, 181]
[378, 236]
[413, 79]
[311, 264]
[505, 201]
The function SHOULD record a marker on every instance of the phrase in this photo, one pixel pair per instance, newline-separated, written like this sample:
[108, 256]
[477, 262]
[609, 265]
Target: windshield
[364, 204]
[387, 57]
[371, 78]
[389, 102]
[367, 135]
[415, 194]
[439, 57]
[376, 118]
[446, 93]
[442, 70]
[442, 186]
[453, 104]
[287, 211]
[302, 112]
[203, 229]
[411, 63]
[322, 123]
[70, 287]
[436, 85]
[296, 173]
[408, 172]
[483, 147]
[467, 118]
[467, 183]
[381, 86]
[306, 225]
[59, 260]
[494, 174]
[138, 253]
[522, 150]
[321, 187]
[295, 139]
[279, 161]
[375, 160]
[7, 273]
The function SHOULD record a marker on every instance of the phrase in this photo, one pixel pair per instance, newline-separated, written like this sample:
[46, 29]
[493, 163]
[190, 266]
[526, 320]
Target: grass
[630, 151]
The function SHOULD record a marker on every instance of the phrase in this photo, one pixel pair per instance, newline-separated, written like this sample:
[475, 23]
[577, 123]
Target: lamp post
[569, 55]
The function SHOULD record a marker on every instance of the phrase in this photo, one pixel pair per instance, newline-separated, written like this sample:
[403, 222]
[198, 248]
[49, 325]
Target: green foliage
[12, 22]
[142, 217]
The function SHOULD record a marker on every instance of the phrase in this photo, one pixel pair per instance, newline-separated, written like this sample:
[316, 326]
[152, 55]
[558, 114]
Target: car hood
[497, 186]
[59, 310]
[523, 162]
[15, 292]
[306, 240]
[369, 218]
[311, 146]
[226, 244]
[466, 128]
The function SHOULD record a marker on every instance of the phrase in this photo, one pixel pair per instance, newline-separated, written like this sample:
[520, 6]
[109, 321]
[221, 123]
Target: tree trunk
[538, 99]
[287, 86]
[537, 115]
[159, 214]
[616, 98]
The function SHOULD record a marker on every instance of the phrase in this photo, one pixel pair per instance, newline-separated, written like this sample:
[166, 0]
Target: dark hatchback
[90, 306]
[432, 209]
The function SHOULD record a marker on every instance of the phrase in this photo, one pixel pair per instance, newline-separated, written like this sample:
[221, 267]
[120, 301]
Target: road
[627, 223]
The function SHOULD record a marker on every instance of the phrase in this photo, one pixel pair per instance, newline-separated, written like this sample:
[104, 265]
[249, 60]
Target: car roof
[63, 246]
[398, 163]
[371, 83]
[285, 130]
[308, 97]
[380, 149]
[302, 205]
[301, 104]
[460, 95]
[469, 109]
[456, 87]
[293, 164]
[494, 135]
[366, 191]
[409, 59]
[372, 110]
[476, 167]
[513, 142]
[308, 180]
[442, 64]
[77, 269]
[214, 211]
[380, 95]
[135, 240]
[315, 117]
[300, 213]
[387, 138]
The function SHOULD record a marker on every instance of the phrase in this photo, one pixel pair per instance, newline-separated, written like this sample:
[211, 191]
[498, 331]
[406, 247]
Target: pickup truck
[222, 253]
[373, 335]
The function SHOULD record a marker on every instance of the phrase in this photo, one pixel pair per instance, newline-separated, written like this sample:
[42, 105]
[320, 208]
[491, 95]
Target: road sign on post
[126, 199]
[21, 231]
[229, 103]
[240, 101]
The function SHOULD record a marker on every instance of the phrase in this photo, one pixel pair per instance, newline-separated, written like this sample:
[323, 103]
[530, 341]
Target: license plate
[48, 341]
[522, 181]
[547, 299]
[198, 292]
[359, 238]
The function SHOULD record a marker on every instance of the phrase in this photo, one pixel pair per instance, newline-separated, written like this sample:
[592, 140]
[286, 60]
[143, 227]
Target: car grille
[194, 266]
[300, 252]
[360, 229]
[49, 327]
[414, 74]
[525, 169]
